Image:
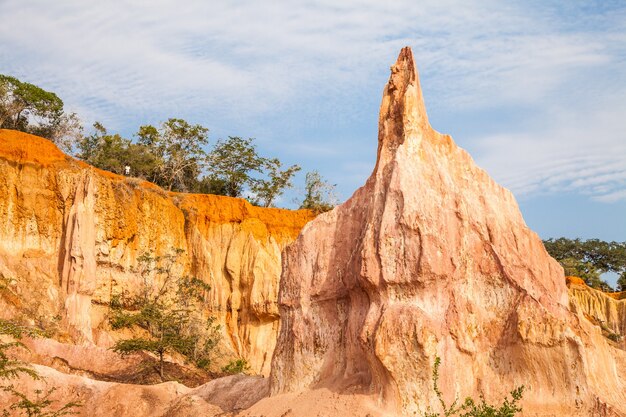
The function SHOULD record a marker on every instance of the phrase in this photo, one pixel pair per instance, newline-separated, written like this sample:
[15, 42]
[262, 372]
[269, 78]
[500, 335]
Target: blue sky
[535, 90]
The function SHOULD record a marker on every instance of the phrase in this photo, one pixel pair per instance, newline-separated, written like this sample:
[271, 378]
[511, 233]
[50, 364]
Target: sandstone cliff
[70, 236]
[605, 310]
[432, 258]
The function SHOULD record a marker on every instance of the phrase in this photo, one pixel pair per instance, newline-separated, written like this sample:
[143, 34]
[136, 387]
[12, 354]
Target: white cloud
[586, 156]
[237, 63]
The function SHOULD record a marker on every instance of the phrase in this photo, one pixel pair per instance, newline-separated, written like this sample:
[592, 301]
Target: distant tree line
[173, 155]
[589, 259]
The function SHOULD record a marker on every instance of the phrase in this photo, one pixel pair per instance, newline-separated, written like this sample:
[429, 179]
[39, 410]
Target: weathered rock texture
[170, 399]
[70, 236]
[605, 310]
[433, 258]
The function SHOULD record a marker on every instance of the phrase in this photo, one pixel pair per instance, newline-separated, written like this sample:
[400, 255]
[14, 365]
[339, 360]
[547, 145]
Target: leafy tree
[29, 108]
[589, 259]
[231, 163]
[11, 368]
[113, 152]
[104, 151]
[164, 310]
[21, 100]
[319, 194]
[470, 408]
[178, 148]
[266, 191]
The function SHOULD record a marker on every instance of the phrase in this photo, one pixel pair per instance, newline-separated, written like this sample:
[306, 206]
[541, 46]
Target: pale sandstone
[433, 258]
[224, 396]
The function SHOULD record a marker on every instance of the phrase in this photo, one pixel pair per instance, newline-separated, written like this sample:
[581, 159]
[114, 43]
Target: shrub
[471, 408]
[11, 368]
[237, 366]
[167, 313]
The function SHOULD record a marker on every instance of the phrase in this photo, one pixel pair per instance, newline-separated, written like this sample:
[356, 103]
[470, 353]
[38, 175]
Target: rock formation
[432, 258]
[170, 399]
[70, 236]
[605, 310]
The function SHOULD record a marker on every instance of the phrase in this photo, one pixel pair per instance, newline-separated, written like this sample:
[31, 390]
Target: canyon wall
[431, 258]
[70, 237]
[606, 310]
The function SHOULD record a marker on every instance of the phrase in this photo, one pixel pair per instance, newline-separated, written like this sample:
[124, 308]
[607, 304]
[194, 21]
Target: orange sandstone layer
[605, 310]
[70, 236]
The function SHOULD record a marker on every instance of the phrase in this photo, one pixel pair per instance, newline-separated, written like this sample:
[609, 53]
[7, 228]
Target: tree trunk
[161, 366]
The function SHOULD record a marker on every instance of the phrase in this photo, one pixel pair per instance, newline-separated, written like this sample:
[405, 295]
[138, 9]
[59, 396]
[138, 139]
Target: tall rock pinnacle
[402, 112]
[432, 258]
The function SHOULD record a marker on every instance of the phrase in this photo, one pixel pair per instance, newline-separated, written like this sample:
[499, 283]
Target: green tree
[589, 259]
[471, 408]
[103, 150]
[29, 108]
[165, 310]
[267, 190]
[113, 153]
[38, 407]
[12, 368]
[231, 164]
[178, 148]
[319, 194]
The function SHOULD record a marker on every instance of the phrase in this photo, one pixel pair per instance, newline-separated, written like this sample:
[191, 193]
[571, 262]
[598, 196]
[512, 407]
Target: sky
[534, 90]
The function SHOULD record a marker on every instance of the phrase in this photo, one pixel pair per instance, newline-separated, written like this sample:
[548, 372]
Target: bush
[470, 408]
[237, 366]
[614, 337]
[11, 369]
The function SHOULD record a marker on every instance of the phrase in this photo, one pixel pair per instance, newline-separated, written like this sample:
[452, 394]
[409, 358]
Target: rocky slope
[70, 236]
[605, 310]
[432, 258]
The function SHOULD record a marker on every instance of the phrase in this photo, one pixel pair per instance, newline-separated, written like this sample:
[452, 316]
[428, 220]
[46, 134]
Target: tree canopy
[174, 155]
[589, 259]
[267, 190]
[232, 164]
[178, 151]
[318, 193]
[11, 368]
[29, 108]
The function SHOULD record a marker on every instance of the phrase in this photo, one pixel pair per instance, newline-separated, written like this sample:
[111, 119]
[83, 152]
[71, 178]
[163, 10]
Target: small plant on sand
[471, 408]
[237, 366]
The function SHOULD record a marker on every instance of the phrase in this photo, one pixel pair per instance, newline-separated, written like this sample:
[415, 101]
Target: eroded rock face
[220, 397]
[70, 236]
[432, 258]
[605, 310]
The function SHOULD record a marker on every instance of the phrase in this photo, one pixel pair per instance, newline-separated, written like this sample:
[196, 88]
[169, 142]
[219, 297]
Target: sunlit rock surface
[70, 236]
[606, 310]
[432, 258]
[429, 258]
